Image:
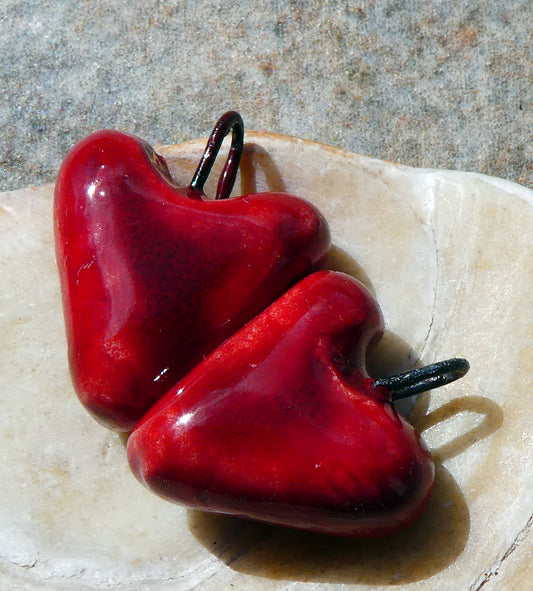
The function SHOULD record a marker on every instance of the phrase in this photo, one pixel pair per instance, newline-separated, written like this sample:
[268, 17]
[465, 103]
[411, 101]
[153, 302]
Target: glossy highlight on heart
[281, 423]
[154, 276]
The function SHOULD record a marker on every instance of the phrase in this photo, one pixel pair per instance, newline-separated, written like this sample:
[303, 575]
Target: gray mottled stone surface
[424, 83]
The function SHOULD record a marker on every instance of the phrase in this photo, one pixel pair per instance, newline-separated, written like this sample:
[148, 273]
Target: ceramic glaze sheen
[155, 276]
[282, 424]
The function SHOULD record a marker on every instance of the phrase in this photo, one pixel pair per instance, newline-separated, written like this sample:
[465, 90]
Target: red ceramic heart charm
[281, 423]
[155, 276]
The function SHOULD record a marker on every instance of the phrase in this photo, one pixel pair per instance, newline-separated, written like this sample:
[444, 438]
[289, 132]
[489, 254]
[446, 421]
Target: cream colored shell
[449, 256]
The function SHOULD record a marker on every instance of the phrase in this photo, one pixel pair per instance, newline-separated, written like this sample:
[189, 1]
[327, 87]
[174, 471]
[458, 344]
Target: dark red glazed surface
[281, 423]
[154, 276]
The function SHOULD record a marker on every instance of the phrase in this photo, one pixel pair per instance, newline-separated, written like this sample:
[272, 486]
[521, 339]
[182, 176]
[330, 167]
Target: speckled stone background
[425, 83]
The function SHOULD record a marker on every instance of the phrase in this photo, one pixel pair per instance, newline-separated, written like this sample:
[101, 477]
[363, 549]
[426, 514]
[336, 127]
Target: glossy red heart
[155, 276]
[281, 423]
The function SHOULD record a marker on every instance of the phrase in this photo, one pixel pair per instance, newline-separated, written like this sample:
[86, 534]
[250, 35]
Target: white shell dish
[449, 256]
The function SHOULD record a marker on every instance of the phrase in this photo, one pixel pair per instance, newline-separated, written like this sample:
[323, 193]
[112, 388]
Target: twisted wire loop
[232, 122]
[425, 378]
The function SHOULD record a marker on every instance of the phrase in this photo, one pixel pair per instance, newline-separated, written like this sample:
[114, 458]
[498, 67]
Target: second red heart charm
[281, 423]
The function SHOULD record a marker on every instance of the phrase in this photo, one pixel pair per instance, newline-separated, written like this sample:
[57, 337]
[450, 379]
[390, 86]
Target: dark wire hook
[230, 121]
[424, 378]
